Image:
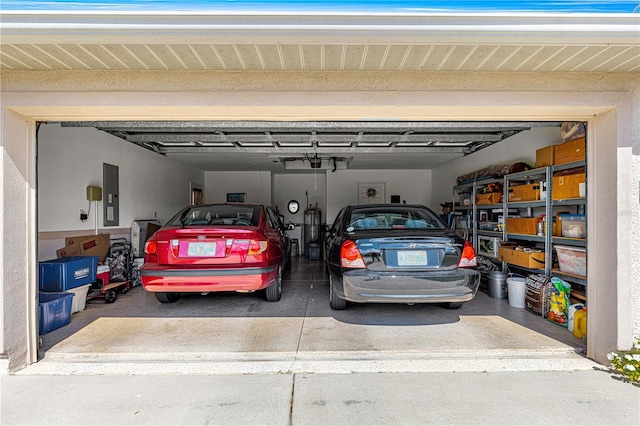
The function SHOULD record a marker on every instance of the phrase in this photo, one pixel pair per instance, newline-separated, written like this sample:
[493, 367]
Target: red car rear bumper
[163, 279]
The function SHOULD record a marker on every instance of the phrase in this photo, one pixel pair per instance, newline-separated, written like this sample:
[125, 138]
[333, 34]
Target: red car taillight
[150, 247]
[257, 246]
[175, 247]
[350, 256]
[468, 257]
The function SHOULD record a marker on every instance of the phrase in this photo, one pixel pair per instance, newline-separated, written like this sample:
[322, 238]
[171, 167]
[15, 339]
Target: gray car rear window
[391, 218]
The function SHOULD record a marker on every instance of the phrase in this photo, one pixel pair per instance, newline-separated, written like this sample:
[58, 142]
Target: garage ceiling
[308, 146]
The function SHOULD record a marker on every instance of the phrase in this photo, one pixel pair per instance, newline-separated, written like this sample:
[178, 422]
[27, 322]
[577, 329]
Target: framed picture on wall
[236, 197]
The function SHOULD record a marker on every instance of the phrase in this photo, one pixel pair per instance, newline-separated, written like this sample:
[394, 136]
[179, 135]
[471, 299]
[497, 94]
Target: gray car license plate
[412, 258]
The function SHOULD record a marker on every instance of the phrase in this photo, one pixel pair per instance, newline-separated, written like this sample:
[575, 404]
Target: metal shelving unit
[549, 240]
[547, 206]
[536, 175]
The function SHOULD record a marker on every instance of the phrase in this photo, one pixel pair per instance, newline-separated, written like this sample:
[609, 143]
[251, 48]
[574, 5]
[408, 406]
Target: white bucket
[516, 291]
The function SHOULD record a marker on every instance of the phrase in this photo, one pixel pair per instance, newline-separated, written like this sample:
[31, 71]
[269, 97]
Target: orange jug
[580, 323]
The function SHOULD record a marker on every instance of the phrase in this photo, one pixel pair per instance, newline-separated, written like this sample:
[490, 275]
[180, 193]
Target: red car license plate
[412, 258]
[199, 249]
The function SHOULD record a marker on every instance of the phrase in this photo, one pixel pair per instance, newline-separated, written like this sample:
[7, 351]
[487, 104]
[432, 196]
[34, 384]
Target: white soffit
[490, 42]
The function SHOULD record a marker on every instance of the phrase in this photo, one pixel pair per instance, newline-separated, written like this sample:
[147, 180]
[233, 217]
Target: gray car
[398, 253]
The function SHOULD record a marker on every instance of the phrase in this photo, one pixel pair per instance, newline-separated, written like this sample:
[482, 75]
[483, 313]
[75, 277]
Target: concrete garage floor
[301, 334]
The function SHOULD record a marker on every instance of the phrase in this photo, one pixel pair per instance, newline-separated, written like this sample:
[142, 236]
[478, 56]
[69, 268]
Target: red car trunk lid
[220, 246]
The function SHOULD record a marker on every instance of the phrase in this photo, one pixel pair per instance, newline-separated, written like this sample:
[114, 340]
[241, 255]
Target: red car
[217, 247]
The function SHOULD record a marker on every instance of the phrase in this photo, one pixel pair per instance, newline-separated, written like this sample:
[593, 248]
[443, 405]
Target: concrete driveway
[301, 334]
[237, 359]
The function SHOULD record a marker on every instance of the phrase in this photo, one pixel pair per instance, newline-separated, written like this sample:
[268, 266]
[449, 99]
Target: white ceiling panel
[228, 54]
[208, 56]
[333, 57]
[271, 57]
[312, 57]
[395, 57]
[291, 57]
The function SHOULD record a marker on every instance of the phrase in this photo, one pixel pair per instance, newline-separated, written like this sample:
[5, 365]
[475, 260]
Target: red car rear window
[217, 214]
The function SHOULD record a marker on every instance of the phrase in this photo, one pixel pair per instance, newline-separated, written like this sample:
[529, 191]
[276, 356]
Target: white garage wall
[257, 186]
[413, 186]
[519, 148]
[299, 187]
[70, 159]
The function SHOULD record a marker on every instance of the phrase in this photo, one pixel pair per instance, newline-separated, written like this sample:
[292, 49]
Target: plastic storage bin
[313, 251]
[574, 226]
[55, 311]
[572, 260]
[63, 274]
[79, 298]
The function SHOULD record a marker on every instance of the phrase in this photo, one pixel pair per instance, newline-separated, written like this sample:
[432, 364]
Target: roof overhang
[320, 41]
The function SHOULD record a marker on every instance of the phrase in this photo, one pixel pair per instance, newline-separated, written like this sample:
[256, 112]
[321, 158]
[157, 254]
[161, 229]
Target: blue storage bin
[55, 311]
[313, 250]
[67, 272]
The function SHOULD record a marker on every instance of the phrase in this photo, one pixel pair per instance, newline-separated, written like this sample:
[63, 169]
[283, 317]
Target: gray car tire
[335, 302]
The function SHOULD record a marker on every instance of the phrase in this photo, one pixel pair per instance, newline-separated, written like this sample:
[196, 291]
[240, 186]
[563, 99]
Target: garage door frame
[609, 145]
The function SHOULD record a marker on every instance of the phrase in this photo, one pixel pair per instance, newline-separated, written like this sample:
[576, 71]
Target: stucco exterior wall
[632, 208]
[174, 95]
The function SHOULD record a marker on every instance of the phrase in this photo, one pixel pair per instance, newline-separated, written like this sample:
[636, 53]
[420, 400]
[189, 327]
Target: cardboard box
[87, 245]
[566, 186]
[545, 156]
[68, 251]
[571, 151]
[490, 198]
[522, 225]
[529, 192]
[532, 260]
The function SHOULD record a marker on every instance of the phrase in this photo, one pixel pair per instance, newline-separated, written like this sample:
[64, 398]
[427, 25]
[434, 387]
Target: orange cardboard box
[567, 186]
[529, 192]
[86, 245]
[522, 225]
[571, 151]
[490, 198]
[534, 260]
[545, 156]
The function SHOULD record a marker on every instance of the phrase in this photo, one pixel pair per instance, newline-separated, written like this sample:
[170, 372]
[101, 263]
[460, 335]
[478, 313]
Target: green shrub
[627, 364]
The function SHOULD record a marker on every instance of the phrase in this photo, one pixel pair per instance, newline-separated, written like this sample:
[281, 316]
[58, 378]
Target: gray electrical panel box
[111, 195]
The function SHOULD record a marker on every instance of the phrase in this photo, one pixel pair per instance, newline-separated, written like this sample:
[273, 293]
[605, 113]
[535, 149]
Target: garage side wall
[521, 147]
[70, 159]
